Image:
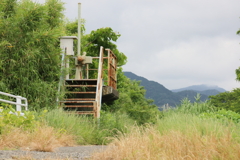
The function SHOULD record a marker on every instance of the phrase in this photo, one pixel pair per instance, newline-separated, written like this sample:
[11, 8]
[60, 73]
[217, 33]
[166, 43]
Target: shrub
[222, 115]
[227, 100]
[9, 118]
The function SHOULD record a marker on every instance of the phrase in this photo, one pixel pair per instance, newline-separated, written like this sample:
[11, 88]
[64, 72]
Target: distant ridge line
[161, 95]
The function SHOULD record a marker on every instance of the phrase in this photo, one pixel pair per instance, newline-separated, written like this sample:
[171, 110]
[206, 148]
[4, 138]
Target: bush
[10, 118]
[222, 115]
[227, 100]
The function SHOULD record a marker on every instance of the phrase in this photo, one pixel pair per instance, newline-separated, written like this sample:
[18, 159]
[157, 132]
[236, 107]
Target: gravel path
[71, 153]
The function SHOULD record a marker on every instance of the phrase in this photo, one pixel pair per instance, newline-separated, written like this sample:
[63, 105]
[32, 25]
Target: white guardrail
[18, 102]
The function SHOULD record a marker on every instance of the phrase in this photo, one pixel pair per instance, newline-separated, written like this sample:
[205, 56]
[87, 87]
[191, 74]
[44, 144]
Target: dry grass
[43, 138]
[28, 157]
[149, 144]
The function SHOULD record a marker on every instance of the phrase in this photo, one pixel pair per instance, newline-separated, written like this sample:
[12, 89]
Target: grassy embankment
[57, 128]
[185, 133]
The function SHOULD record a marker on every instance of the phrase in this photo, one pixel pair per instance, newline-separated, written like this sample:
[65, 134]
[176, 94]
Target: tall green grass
[182, 133]
[88, 130]
[189, 124]
[190, 117]
[196, 107]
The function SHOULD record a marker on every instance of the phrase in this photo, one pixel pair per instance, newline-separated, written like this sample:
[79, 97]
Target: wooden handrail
[99, 82]
[112, 69]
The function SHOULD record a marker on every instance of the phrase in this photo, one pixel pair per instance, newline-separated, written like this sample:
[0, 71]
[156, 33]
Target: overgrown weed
[181, 134]
[173, 143]
[43, 138]
[88, 130]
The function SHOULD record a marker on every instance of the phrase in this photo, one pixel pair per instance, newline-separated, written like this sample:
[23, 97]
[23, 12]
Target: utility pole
[78, 74]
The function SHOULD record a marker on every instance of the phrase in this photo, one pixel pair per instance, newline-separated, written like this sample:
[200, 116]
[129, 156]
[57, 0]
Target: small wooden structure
[85, 95]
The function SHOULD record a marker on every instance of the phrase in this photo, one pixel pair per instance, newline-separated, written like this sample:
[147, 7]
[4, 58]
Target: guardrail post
[19, 102]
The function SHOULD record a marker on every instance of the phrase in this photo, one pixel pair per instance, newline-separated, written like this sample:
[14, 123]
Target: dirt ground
[70, 153]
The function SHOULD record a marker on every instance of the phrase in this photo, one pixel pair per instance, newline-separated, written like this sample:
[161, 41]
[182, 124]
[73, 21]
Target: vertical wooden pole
[99, 82]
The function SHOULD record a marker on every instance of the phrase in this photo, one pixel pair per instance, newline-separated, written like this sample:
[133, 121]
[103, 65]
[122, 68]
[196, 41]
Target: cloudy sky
[176, 43]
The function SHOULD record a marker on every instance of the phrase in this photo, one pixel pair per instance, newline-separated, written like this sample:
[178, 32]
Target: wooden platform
[109, 94]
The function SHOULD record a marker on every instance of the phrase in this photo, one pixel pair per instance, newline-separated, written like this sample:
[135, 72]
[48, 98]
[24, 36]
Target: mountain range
[202, 87]
[162, 96]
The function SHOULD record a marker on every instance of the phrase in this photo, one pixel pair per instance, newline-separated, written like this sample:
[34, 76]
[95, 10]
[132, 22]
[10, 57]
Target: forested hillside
[162, 95]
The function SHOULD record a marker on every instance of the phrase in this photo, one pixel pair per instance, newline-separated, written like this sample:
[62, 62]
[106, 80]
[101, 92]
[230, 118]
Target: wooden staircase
[84, 96]
[81, 96]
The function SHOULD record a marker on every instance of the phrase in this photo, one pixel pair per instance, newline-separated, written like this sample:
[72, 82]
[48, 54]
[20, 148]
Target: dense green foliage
[29, 52]
[227, 100]
[103, 37]
[10, 118]
[223, 115]
[207, 110]
[204, 110]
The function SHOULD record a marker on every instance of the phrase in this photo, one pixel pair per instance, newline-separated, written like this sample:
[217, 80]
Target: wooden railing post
[99, 83]
[112, 69]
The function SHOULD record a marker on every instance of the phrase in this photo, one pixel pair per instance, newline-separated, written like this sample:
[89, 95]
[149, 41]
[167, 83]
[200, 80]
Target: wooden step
[81, 112]
[82, 92]
[81, 82]
[80, 96]
[73, 102]
[80, 85]
[80, 99]
[78, 106]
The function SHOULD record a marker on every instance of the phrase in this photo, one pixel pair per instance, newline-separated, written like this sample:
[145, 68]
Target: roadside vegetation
[132, 126]
[191, 131]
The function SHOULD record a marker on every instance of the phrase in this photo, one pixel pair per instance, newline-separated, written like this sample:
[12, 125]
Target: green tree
[103, 37]
[227, 100]
[29, 52]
